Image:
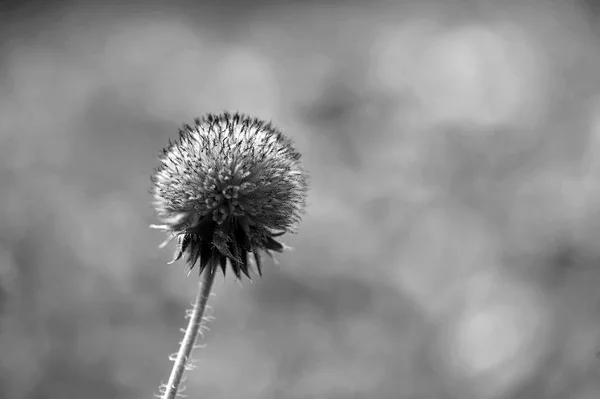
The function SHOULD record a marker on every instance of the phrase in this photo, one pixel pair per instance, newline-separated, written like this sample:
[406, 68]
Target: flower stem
[191, 334]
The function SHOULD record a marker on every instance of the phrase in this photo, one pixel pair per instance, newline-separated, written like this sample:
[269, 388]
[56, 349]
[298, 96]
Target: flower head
[228, 187]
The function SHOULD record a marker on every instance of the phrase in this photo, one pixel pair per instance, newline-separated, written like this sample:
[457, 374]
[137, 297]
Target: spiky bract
[226, 188]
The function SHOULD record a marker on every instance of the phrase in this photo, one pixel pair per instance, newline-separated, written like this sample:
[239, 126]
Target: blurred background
[450, 244]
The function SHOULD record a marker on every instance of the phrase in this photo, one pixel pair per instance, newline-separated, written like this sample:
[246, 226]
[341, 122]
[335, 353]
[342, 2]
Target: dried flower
[228, 187]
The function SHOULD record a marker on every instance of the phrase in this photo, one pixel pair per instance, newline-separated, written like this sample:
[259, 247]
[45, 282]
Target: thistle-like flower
[227, 188]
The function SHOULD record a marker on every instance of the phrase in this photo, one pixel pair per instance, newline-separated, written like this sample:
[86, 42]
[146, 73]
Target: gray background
[450, 245]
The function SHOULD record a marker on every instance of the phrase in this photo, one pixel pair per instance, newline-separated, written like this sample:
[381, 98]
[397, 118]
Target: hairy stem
[191, 335]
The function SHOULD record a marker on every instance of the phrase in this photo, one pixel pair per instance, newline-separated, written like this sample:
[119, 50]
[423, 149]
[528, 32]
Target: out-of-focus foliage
[449, 249]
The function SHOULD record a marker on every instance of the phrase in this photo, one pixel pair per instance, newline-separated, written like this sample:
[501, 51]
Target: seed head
[228, 187]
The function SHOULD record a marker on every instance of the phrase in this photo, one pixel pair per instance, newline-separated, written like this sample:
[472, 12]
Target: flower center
[224, 203]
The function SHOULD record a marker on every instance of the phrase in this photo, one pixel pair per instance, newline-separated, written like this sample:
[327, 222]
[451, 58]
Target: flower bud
[228, 187]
